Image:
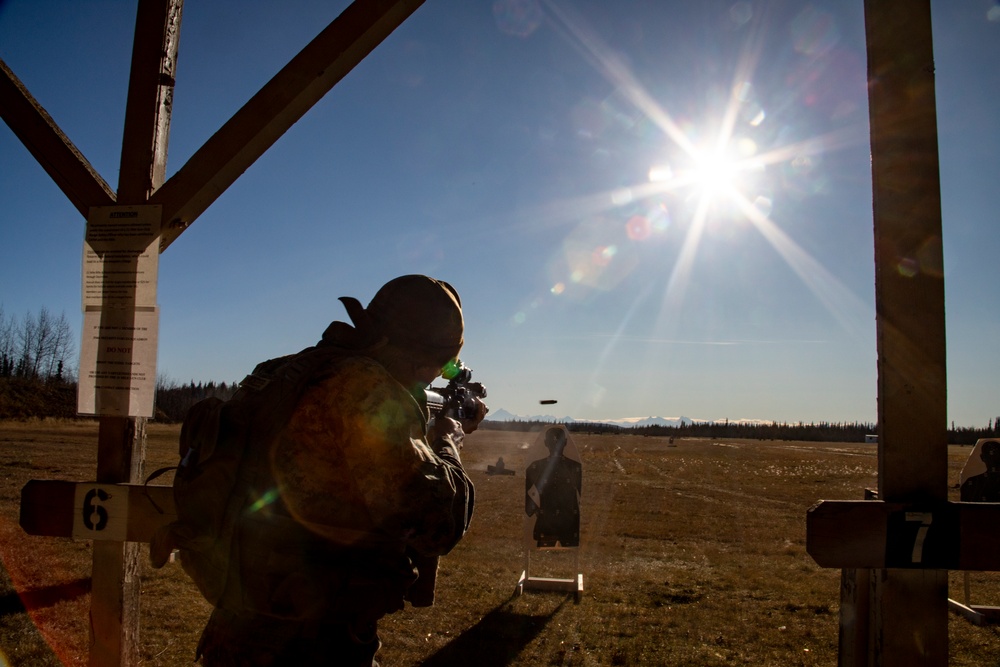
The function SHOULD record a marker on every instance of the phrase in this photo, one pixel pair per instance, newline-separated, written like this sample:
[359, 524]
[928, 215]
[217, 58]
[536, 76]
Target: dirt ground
[692, 553]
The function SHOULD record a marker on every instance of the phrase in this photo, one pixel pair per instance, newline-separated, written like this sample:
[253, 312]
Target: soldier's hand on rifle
[443, 426]
[471, 424]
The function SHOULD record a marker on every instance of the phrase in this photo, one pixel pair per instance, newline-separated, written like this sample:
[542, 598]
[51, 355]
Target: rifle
[458, 399]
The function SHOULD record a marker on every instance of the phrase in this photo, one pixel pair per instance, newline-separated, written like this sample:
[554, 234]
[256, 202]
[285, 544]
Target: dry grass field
[693, 553]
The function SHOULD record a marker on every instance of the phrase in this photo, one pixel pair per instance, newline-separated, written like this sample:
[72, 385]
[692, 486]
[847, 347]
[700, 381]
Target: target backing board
[553, 486]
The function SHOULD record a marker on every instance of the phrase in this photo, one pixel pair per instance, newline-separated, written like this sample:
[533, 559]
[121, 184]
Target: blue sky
[537, 155]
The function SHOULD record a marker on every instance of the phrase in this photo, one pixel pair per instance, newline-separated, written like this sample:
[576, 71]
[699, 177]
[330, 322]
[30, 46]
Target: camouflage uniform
[354, 466]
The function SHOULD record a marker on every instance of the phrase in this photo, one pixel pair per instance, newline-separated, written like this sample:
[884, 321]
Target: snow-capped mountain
[628, 422]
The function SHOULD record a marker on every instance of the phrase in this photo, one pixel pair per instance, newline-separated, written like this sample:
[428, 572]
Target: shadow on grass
[14, 603]
[495, 640]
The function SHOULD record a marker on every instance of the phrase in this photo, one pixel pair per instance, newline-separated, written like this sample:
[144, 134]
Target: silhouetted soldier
[371, 494]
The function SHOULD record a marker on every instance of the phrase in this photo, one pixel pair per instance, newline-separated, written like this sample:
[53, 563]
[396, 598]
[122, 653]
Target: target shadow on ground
[495, 640]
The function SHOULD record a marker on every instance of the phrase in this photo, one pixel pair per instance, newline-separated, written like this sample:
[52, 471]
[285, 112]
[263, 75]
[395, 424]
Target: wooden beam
[909, 273]
[53, 150]
[875, 534]
[150, 100]
[47, 508]
[909, 611]
[275, 108]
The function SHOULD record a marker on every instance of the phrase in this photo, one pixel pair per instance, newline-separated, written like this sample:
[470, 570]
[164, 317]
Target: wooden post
[855, 598]
[114, 597]
[909, 609]
[121, 443]
[855, 611]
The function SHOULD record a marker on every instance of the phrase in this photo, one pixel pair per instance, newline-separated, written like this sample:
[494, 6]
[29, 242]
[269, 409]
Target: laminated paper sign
[118, 362]
[121, 256]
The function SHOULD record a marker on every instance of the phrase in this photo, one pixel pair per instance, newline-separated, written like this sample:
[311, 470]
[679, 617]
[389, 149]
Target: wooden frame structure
[907, 607]
[976, 614]
[213, 168]
[573, 585]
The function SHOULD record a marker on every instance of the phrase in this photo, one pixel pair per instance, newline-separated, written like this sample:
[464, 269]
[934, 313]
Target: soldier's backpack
[233, 539]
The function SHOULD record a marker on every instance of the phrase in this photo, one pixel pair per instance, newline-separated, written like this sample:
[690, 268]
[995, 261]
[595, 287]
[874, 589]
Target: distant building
[871, 438]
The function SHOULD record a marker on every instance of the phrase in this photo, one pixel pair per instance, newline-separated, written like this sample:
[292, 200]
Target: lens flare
[622, 197]
[519, 18]
[265, 500]
[908, 267]
[638, 228]
[602, 255]
[660, 174]
[741, 12]
[451, 370]
[814, 31]
[763, 205]
[715, 170]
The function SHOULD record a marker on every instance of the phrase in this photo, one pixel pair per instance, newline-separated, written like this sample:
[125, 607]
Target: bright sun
[728, 178]
[714, 175]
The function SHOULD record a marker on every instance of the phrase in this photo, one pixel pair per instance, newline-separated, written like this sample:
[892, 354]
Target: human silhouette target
[553, 484]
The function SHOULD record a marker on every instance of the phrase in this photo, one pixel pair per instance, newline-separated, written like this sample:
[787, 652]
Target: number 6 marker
[100, 512]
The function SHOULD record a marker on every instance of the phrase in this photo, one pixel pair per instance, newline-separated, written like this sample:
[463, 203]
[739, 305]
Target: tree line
[173, 400]
[811, 432]
[22, 398]
[36, 347]
[37, 379]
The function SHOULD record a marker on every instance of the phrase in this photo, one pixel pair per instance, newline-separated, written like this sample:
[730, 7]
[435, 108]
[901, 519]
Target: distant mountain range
[502, 415]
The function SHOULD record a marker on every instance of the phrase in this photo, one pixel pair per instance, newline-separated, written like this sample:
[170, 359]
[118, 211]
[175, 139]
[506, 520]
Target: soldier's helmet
[420, 314]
